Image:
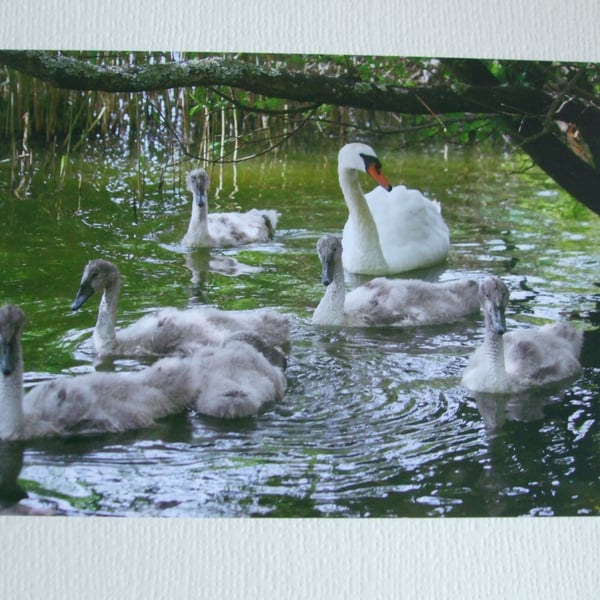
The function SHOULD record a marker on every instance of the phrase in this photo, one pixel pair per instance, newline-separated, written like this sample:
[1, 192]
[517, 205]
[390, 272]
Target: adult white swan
[168, 329]
[219, 230]
[519, 360]
[390, 302]
[390, 229]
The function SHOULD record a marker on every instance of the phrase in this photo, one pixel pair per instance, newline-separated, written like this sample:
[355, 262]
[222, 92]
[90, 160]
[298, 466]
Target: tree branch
[71, 73]
[528, 112]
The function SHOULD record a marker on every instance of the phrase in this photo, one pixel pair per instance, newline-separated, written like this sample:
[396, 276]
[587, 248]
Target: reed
[216, 125]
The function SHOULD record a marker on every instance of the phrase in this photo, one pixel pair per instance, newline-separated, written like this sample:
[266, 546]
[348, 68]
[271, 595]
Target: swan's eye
[371, 162]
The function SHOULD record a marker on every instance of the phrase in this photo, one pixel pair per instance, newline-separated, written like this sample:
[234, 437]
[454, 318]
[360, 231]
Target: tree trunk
[573, 174]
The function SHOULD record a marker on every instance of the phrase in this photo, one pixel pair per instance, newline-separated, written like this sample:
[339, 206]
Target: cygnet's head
[362, 157]
[197, 183]
[97, 275]
[493, 295]
[12, 323]
[329, 249]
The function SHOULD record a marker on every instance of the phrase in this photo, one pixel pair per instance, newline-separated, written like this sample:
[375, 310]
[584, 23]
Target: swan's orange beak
[379, 177]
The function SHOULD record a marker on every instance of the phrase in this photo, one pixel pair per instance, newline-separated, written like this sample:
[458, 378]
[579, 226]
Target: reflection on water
[495, 409]
[374, 422]
[202, 261]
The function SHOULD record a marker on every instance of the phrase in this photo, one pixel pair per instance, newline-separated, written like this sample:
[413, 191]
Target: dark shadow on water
[11, 463]
[173, 429]
[241, 425]
[590, 352]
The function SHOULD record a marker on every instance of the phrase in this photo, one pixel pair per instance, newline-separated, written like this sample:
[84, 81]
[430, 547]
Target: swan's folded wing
[235, 229]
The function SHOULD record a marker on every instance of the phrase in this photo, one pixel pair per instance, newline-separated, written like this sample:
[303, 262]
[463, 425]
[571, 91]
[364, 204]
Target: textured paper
[310, 559]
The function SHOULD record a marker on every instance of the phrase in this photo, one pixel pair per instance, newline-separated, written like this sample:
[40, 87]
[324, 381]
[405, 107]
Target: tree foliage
[550, 110]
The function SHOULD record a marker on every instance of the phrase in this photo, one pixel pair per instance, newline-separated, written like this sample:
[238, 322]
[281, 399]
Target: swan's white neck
[11, 400]
[105, 337]
[197, 233]
[360, 228]
[330, 310]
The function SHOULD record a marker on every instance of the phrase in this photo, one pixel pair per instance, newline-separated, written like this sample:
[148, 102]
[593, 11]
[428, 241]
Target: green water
[374, 422]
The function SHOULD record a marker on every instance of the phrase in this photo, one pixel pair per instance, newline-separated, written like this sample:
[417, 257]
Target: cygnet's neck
[361, 225]
[197, 233]
[11, 400]
[330, 310]
[493, 346]
[105, 337]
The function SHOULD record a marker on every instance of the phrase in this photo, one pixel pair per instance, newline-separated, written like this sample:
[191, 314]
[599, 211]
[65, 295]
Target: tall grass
[207, 125]
[199, 119]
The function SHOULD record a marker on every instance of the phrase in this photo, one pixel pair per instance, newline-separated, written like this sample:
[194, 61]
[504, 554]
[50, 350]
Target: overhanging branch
[527, 112]
[72, 73]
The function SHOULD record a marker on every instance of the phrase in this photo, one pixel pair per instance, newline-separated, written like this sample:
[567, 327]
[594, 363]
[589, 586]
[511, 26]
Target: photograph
[253, 285]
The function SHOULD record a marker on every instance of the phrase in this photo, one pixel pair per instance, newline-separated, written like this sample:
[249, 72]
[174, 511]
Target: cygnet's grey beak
[200, 198]
[498, 320]
[7, 362]
[327, 273]
[85, 291]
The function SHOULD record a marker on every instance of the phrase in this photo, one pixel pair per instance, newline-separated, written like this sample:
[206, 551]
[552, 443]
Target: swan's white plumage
[519, 360]
[387, 231]
[168, 329]
[388, 302]
[231, 380]
[220, 230]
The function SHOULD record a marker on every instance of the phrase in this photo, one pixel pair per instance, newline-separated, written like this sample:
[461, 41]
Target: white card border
[337, 558]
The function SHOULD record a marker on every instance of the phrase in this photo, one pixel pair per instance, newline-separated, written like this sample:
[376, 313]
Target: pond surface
[374, 422]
